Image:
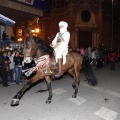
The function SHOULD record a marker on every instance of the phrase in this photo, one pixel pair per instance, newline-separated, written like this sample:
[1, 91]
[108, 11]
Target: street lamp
[37, 30]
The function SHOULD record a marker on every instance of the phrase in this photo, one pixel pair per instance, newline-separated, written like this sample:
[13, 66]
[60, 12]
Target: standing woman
[11, 73]
[18, 66]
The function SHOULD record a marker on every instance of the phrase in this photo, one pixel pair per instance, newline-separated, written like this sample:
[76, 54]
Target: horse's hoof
[74, 96]
[15, 102]
[48, 101]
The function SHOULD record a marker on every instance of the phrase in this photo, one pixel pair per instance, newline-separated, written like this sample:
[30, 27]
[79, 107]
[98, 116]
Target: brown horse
[46, 67]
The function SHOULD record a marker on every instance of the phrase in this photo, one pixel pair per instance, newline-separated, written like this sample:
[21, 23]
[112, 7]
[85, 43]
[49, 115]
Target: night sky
[42, 4]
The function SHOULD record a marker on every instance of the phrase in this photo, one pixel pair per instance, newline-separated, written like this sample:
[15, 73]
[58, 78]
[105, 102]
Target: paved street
[101, 102]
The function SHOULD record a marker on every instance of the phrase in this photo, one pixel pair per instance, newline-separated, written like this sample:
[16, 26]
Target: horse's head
[27, 47]
[37, 47]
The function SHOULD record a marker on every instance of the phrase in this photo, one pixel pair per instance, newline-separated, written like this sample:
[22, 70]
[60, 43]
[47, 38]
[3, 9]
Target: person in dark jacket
[18, 58]
[4, 36]
[1, 54]
[5, 68]
[112, 60]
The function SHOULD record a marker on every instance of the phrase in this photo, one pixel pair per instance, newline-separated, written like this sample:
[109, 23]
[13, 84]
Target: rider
[60, 44]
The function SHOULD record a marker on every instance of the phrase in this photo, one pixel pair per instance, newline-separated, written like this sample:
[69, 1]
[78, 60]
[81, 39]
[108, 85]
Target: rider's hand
[56, 45]
[51, 45]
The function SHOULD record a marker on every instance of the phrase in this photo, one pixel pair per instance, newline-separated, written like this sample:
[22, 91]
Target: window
[85, 15]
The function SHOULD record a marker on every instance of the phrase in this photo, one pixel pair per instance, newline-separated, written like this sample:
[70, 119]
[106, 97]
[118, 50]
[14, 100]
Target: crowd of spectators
[11, 62]
[10, 66]
[99, 57]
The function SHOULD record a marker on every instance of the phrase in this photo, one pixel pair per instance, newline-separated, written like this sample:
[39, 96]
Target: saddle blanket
[41, 62]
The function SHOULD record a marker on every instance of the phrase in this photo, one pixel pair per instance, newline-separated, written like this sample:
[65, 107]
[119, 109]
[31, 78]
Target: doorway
[85, 39]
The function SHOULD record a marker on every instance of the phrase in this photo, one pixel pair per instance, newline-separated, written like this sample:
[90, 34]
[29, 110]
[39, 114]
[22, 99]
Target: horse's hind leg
[75, 83]
[48, 82]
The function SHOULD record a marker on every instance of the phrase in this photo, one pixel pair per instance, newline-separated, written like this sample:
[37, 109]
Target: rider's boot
[60, 73]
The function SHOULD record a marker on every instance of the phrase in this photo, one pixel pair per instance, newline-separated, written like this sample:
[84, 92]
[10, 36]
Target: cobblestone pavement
[101, 102]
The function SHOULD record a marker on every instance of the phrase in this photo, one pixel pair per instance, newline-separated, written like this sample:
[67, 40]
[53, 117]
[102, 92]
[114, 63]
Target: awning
[19, 12]
[6, 20]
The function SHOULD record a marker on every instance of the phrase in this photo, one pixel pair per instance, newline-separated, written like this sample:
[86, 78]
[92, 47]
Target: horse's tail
[88, 72]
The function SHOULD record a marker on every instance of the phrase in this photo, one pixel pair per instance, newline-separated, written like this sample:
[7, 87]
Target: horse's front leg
[16, 99]
[48, 82]
[18, 96]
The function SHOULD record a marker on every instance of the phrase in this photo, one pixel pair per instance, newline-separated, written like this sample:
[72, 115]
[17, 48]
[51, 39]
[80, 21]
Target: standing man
[5, 68]
[60, 44]
[4, 36]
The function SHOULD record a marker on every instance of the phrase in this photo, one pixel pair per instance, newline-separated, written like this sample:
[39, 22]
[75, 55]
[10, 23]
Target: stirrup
[58, 74]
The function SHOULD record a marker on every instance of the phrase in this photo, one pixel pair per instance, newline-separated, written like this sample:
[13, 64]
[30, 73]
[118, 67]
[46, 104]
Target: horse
[39, 50]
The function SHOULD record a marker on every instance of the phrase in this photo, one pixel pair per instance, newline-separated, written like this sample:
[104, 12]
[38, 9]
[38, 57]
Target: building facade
[90, 23]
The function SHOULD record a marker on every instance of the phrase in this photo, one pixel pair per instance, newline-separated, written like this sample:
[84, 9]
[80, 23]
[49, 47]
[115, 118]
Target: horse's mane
[41, 44]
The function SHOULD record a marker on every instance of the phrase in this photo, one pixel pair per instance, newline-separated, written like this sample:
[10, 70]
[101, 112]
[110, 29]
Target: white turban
[65, 24]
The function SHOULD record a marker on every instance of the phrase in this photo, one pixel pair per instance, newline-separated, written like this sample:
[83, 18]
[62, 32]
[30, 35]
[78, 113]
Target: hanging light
[37, 30]
[32, 31]
[20, 39]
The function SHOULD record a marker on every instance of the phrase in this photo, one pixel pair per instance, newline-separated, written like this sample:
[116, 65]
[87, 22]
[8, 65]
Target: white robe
[61, 49]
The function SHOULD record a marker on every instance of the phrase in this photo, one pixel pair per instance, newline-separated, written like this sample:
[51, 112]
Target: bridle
[25, 43]
[29, 46]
